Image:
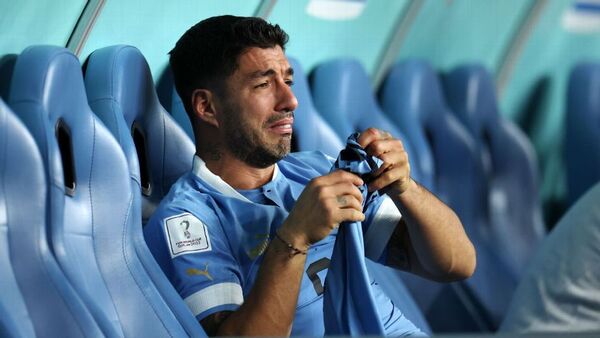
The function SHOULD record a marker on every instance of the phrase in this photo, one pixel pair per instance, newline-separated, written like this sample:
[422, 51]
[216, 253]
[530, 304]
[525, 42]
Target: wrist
[295, 238]
[291, 249]
[401, 188]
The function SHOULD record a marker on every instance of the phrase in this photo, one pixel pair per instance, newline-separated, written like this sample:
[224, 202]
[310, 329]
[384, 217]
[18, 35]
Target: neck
[235, 172]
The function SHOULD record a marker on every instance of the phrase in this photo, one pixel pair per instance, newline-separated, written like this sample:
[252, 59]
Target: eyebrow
[269, 72]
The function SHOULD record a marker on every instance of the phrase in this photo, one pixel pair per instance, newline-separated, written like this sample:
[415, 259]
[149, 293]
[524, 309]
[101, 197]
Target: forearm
[269, 308]
[437, 239]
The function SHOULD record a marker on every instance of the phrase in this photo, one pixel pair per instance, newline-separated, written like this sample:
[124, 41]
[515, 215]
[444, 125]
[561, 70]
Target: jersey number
[313, 269]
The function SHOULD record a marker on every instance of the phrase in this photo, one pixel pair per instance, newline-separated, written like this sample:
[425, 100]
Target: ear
[204, 106]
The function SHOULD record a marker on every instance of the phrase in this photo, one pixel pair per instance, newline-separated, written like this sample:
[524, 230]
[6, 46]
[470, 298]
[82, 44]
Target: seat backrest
[53, 308]
[14, 139]
[92, 201]
[411, 95]
[510, 165]
[7, 64]
[120, 80]
[169, 98]
[311, 131]
[582, 137]
[115, 79]
[342, 93]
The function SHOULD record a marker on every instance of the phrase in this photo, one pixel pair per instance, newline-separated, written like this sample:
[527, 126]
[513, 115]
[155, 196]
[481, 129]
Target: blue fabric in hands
[349, 306]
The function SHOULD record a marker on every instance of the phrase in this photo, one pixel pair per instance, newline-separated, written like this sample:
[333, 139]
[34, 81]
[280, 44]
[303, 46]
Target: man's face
[258, 111]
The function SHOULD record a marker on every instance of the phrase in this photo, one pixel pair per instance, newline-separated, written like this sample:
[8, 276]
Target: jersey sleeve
[193, 251]
[381, 218]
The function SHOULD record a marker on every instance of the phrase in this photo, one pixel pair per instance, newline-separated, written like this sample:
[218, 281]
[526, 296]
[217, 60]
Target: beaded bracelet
[293, 250]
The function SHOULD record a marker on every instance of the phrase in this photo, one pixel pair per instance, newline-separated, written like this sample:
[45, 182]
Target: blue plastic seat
[53, 308]
[17, 149]
[582, 137]
[510, 164]
[119, 83]
[93, 209]
[172, 102]
[121, 92]
[412, 97]
[342, 93]
[7, 64]
[311, 132]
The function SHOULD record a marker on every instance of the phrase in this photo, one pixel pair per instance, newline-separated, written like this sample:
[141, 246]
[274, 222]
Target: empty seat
[121, 92]
[342, 93]
[14, 139]
[311, 132]
[53, 308]
[510, 164]
[411, 96]
[582, 137]
[119, 82]
[93, 209]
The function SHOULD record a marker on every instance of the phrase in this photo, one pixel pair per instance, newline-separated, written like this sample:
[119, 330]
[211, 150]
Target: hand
[394, 174]
[325, 202]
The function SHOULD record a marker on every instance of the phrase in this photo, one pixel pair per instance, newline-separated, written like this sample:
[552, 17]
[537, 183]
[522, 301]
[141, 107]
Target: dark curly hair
[207, 54]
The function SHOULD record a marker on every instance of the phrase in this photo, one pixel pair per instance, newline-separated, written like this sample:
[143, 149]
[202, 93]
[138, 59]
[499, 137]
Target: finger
[388, 177]
[391, 160]
[343, 176]
[348, 202]
[383, 146]
[349, 215]
[343, 188]
[366, 137]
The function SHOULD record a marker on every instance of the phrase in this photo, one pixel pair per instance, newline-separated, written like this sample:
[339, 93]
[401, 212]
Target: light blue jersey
[209, 239]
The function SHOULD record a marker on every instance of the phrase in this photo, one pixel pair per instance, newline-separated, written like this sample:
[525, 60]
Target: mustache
[278, 117]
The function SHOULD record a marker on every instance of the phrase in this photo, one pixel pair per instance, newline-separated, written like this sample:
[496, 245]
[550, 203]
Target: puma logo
[196, 272]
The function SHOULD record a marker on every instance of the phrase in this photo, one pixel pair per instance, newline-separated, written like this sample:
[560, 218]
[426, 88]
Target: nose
[287, 100]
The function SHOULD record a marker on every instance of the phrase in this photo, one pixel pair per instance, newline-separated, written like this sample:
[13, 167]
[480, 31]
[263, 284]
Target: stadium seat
[120, 91]
[311, 132]
[7, 64]
[14, 138]
[93, 210]
[118, 82]
[510, 164]
[411, 96]
[169, 98]
[342, 93]
[582, 137]
[35, 293]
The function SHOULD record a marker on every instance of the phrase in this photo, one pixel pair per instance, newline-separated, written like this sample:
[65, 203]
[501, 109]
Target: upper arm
[203, 269]
[401, 253]
[387, 239]
[212, 323]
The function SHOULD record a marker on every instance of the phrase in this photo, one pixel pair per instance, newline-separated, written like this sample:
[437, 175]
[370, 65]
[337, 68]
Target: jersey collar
[201, 171]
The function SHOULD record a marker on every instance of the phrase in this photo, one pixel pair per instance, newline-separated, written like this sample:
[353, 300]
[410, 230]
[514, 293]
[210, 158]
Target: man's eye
[289, 82]
[262, 85]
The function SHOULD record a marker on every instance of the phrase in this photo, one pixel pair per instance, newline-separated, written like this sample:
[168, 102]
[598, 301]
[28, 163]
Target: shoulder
[184, 202]
[309, 163]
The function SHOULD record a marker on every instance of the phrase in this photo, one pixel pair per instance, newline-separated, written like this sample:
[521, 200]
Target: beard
[246, 143]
